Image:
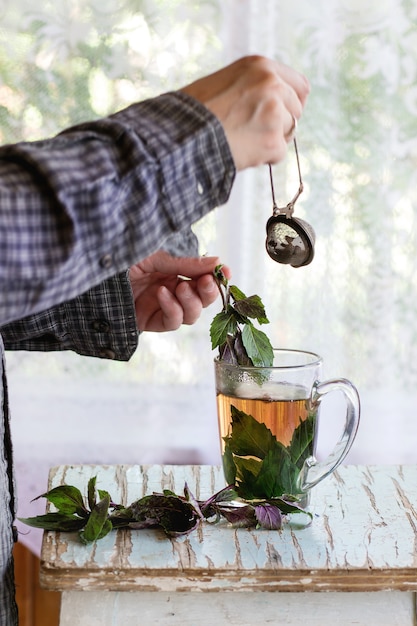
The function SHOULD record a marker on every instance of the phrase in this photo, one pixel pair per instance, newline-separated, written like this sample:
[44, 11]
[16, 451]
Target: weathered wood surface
[363, 538]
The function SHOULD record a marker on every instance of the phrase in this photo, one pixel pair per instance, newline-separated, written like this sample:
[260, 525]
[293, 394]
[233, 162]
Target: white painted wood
[363, 539]
[222, 608]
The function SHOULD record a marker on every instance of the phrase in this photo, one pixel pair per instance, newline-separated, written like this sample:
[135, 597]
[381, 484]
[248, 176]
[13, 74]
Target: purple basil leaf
[240, 352]
[173, 514]
[252, 307]
[91, 490]
[227, 351]
[268, 516]
[148, 522]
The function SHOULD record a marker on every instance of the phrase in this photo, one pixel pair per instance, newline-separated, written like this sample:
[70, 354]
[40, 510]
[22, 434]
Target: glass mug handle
[313, 471]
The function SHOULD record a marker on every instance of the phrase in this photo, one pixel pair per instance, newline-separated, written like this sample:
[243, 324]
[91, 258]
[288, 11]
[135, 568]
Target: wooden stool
[363, 539]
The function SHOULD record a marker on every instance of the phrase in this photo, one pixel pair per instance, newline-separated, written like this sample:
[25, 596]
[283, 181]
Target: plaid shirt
[75, 212]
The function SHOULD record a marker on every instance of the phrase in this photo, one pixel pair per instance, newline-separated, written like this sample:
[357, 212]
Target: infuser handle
[313, 471]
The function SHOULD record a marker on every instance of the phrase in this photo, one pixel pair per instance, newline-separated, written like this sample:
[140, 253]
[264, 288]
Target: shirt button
[106, 261]
[200, 188]
[107, 353]
[100, 326]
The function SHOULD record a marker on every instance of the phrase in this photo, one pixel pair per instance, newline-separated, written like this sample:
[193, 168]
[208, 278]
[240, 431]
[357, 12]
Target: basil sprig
[233, 331]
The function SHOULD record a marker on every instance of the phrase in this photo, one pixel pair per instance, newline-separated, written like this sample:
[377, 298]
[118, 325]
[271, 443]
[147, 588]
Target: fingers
[297, 81]
[186, 304]
[191, 267]
[171, 312]
[170, 291]
[256, 99]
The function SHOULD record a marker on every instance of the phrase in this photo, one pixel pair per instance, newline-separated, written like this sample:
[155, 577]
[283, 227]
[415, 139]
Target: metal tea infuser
[289, 240]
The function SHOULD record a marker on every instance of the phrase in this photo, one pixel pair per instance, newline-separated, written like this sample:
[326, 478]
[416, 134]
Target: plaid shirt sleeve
[100, 322]
[87, 204]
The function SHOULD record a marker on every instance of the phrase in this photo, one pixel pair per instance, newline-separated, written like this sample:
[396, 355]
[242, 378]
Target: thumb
[190, 267]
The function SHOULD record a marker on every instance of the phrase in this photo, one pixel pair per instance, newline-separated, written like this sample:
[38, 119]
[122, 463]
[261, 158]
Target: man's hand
[256, 100]
[170, 291]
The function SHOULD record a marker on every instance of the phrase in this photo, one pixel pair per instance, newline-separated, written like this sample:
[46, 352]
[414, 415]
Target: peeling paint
[363, 537]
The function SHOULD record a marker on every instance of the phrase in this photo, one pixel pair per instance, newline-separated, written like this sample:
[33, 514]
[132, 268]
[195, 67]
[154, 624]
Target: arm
[79, 208]
[101, 196]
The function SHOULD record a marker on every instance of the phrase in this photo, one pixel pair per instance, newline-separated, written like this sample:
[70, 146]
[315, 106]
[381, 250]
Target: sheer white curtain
[356, 303]
[65, 61]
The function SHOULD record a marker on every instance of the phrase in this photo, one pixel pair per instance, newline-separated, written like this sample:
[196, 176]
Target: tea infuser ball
[289, 240]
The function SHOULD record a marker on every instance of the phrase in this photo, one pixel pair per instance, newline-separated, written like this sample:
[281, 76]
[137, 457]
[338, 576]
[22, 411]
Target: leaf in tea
[301, 445]
[248, 436]
[277, 475]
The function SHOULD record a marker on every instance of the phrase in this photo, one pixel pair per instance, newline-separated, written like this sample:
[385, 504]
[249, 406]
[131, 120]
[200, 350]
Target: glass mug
[268, 423]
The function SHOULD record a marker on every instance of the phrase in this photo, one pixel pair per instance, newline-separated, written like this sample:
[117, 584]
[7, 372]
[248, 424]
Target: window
[356, 304]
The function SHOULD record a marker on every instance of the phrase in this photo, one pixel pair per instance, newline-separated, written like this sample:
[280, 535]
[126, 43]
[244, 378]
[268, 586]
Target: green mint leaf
[249, 437]
[247, 478]
[229, 467]
[67, 499]
[236, 293]
[55, 521]
[219, 276]
[248, 465]
[98, 524]
[91, 491]
[234, 322]
[223, 324]
[103, 494]
[253, 460]
[301, 445]
[252, 307]
[258, 346]
[278, 474]
[107, 528]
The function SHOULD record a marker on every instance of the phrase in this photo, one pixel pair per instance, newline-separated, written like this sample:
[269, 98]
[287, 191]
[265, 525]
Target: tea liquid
[281, 416]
